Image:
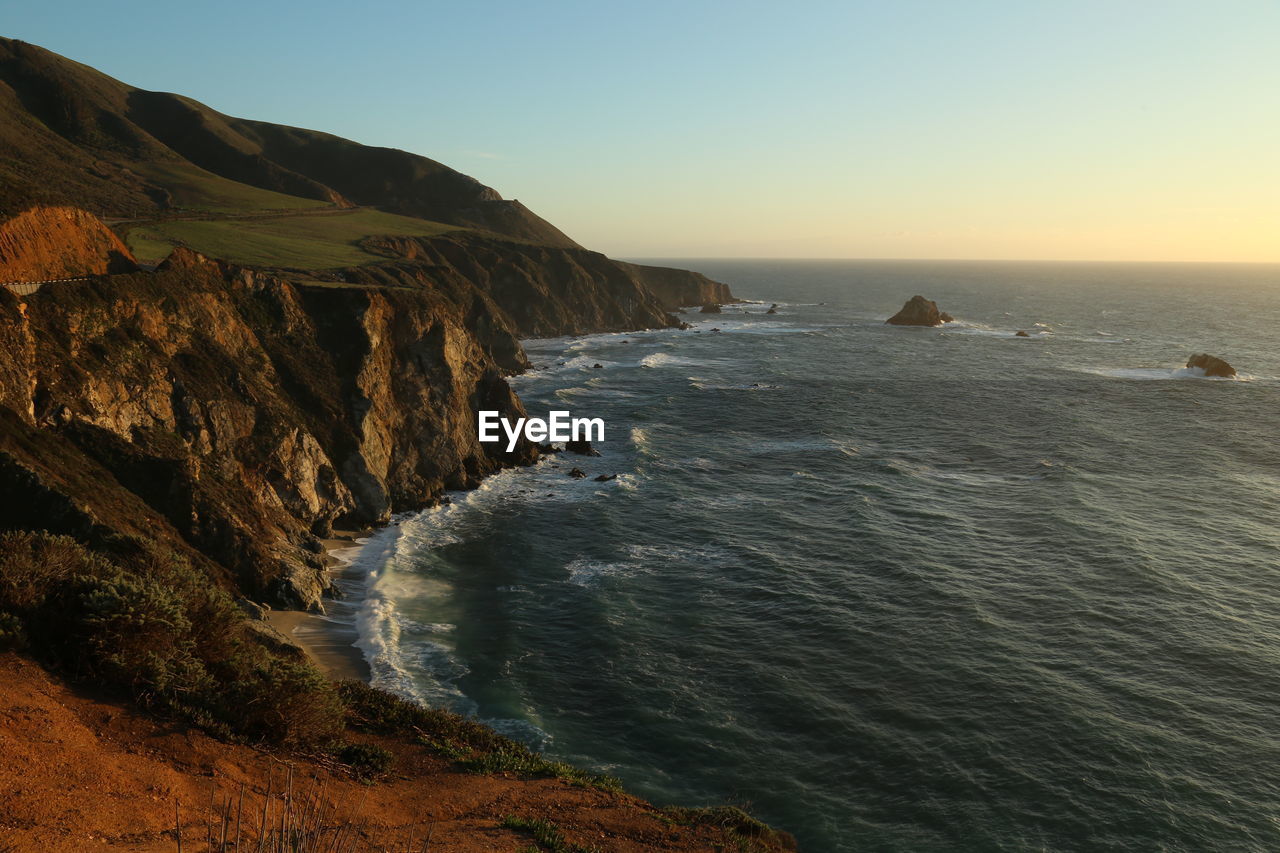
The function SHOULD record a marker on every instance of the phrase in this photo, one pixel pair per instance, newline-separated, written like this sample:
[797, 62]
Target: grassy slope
[193, 188]
[304, 241]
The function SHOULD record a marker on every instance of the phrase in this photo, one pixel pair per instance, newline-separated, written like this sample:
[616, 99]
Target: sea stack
[919, 311]
[1211, 365]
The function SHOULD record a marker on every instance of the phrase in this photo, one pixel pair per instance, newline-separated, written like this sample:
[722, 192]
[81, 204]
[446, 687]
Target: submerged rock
[919, 311]
[1211, 365]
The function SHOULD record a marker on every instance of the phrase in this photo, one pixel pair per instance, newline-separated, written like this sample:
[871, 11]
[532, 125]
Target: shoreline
[327, 643]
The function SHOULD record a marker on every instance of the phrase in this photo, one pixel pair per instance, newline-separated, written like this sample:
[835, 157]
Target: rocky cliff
[543, 291]
[59, 242]
[240, 415]
[676, 288]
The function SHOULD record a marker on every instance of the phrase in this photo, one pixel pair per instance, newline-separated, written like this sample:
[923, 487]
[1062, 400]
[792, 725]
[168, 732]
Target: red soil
[79, 772]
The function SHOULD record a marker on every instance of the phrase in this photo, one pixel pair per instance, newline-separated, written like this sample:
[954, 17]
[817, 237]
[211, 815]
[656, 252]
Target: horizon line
[933, 260]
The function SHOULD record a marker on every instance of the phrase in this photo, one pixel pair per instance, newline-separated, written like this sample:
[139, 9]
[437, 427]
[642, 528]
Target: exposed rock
[230, 414]
[710, 308]
[1021, 334]
[1211, 365]
[773, 309]
[919, 311]
[581, 447]
[945, 317]
[577, 473]
[597, 366]
[50, 243]
[547, 448]
[253, 610]
[604, 478]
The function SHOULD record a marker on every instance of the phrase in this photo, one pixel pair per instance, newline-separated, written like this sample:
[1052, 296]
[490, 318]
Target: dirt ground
[80, 772]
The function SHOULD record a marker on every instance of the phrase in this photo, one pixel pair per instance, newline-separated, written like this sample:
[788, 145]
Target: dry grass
[287, 820]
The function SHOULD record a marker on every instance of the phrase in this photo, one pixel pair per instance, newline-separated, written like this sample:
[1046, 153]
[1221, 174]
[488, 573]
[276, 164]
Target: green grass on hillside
[305, 241]
[193, 188]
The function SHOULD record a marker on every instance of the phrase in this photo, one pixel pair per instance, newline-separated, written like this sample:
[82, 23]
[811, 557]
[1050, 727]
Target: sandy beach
[330, 644]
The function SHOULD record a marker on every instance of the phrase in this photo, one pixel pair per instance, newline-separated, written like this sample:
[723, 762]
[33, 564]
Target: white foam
[1148, 374]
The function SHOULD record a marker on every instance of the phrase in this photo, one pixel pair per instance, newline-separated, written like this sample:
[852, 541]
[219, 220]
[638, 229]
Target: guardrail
[26, 288]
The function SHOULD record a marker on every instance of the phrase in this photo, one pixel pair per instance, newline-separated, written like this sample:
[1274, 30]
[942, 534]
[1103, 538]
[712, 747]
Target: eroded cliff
[245, 413]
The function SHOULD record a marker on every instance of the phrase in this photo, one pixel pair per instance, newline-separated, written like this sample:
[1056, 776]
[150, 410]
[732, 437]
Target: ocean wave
[1147, 374]
[1043, 470]
[703, 384]
[664, 359]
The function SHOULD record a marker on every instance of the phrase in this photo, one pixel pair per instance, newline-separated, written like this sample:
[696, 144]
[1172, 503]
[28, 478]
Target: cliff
[544, 291]
[676, 288]
[246, 412]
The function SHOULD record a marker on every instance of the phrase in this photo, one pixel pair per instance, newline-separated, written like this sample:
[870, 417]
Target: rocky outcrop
[237, 415]
[1211, 365]
[919, 311]
[709, 308]
[582, 447]
[47, 243]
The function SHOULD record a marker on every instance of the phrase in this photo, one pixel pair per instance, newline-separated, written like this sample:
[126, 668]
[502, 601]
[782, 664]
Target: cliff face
[59, 242]
[676, 288]
[542, 291]
[239, 415]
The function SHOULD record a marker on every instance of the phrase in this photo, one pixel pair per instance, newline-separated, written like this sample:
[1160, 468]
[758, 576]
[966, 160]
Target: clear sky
[1089, 129]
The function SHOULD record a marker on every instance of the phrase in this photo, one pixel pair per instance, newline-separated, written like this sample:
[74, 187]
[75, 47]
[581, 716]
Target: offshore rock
[919, 311]
[582, 448]
[1211, 365]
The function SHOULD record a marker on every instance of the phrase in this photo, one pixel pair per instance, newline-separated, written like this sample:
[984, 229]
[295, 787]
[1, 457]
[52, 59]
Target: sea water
[889, 588]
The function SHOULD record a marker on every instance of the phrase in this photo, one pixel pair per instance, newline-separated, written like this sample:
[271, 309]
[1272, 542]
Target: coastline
[330, 644]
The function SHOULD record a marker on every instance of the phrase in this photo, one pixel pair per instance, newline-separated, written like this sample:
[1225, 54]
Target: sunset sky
[1135, 130]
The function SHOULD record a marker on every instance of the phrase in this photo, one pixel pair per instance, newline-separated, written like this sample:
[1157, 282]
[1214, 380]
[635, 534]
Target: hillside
[72, 135]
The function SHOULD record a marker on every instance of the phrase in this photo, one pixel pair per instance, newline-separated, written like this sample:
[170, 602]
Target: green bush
[475, 747]
[368, 761]
[147, 621]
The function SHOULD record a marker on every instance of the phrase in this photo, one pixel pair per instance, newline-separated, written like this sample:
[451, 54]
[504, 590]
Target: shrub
[367, 760]
[475, 747]
[736, 823]
[149, 622]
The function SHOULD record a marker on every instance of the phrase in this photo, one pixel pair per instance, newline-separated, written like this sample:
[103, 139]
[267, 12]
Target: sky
[1082, 130]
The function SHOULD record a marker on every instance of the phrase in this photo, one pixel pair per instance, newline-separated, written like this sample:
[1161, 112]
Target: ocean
[901, 589]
